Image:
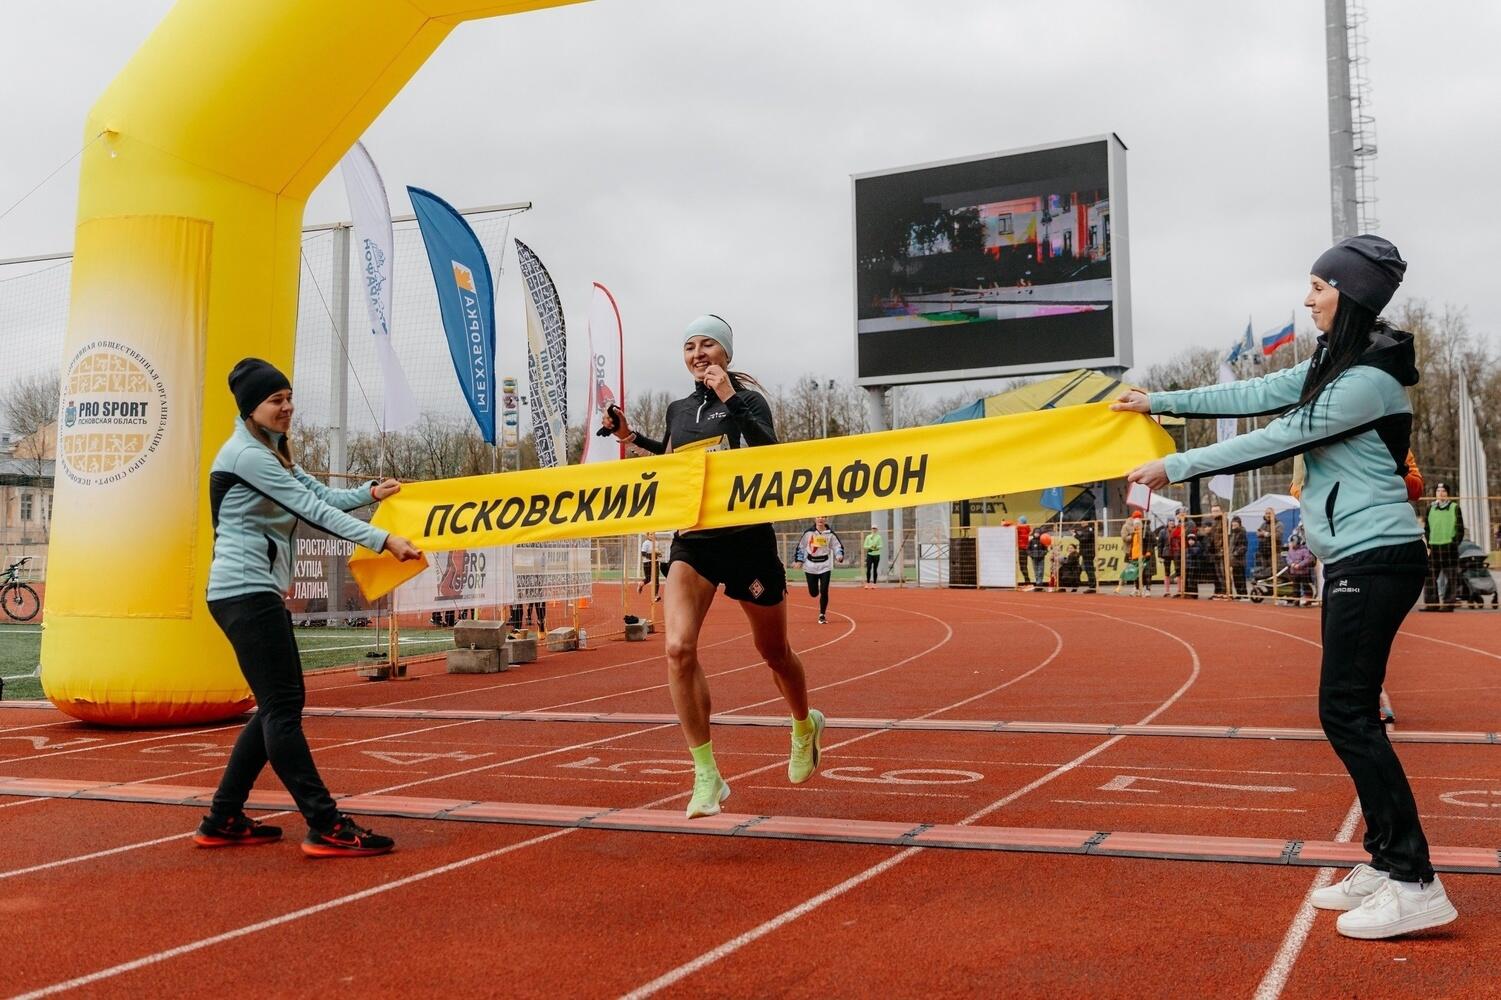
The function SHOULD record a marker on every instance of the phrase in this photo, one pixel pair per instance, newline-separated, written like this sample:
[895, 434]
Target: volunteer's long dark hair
[1343, 347]
[281, 449]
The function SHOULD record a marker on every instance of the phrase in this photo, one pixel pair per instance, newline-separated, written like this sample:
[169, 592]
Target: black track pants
[1363, 607]
[260, 630]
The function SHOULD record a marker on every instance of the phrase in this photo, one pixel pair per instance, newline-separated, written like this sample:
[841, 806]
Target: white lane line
[1403, 634]
[107, 745]
[314, 648]
[722, 673]
[808, 906]
[1446, 642]
[381, 791]
[1275, 979]
[39, 725]
[285, 918]
[534, 680]
[76, 859]
[1175, 805]
[642, 732]
[309, 911]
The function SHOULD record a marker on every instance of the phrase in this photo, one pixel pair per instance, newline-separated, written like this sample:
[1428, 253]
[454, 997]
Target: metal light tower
[1352, 129]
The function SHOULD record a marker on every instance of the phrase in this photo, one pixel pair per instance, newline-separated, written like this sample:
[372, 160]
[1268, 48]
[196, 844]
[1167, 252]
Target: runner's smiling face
[275, 414]
[701, 352]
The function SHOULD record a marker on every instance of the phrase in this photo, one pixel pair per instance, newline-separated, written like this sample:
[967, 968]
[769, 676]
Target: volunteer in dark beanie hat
[1345, 411]
[253, 381]
[257, 494]
[1367, 269]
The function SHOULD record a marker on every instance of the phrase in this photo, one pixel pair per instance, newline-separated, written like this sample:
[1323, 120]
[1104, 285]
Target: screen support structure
[875, 409]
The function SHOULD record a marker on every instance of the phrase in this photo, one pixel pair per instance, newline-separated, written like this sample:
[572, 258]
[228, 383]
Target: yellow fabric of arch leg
[208, 144]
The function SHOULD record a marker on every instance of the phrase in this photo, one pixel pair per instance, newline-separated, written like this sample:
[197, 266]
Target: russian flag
[1276, 339]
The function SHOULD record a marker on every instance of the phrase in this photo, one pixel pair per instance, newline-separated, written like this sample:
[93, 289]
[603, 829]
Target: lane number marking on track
[405, 758]
[1127, 783]
[904, 776]
[1459, 798]
[196, 749]
[46, 743]
[674, 765]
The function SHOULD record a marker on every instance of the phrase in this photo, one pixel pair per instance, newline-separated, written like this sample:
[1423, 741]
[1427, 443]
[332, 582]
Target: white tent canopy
[1250, 515]
[1163, 509]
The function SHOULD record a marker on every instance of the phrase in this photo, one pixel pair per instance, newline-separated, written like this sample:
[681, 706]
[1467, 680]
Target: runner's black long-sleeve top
[702, 419]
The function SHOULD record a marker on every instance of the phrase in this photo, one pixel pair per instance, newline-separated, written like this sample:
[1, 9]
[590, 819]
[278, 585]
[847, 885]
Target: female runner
[724, 410]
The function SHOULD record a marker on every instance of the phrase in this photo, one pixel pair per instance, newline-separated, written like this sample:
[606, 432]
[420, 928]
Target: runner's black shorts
[744, 560]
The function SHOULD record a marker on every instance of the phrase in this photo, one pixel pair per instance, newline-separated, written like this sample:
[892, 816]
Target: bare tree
[1446, 348]
[802, 419]
[310, 446]
[29, 406]
[647, 412]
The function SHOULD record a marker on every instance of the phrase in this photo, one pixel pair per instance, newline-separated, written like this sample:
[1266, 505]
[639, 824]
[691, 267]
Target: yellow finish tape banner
[720, 489]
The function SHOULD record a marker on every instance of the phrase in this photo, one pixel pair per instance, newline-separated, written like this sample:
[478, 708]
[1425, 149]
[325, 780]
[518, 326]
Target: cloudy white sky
[695, 155]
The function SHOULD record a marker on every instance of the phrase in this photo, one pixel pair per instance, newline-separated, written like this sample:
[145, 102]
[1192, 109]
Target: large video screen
[1006, 264]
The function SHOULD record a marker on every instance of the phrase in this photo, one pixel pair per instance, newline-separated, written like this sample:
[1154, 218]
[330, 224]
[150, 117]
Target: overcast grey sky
[694, 155]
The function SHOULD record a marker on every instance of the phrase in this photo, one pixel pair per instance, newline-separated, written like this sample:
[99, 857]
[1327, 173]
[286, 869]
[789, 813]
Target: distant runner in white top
[817, 552]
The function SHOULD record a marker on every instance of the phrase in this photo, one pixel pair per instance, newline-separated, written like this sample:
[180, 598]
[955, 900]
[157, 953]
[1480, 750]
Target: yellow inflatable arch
[186, 259]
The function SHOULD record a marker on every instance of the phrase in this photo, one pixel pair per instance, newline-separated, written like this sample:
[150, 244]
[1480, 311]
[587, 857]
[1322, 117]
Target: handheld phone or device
[613, 412]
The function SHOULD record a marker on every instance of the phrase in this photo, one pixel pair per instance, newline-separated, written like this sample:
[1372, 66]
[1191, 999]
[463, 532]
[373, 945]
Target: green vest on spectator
[1441, 523]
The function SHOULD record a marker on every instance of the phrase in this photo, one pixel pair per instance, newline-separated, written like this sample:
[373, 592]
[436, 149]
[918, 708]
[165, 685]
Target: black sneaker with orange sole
[236, 831]
[346, 839]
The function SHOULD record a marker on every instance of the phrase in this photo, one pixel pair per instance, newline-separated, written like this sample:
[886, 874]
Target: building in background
[26, 469]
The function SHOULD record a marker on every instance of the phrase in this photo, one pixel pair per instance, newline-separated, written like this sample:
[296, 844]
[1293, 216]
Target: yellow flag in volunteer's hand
[700, 489]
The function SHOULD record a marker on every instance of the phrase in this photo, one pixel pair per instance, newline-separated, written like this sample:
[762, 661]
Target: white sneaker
[1395, 909]
[1350, 891]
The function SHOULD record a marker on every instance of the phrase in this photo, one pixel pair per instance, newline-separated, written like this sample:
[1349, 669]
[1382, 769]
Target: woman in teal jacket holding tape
[1346, 411]
[257, 494]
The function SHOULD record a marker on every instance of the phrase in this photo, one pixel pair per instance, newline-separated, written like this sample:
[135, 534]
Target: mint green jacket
[256, 503]
[1354, 444]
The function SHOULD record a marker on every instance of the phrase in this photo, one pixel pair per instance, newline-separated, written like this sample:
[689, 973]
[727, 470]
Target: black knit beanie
[1366, 268]
[253, 381]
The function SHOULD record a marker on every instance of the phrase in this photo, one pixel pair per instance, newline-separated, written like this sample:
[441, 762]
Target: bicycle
[21, 603]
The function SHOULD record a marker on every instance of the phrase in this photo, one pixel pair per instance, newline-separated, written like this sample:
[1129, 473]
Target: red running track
[113, 890]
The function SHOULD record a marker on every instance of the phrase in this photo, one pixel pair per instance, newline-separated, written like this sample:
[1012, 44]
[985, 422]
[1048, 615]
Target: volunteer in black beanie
[1347, 412]
[257, 497]
[253, 381]
[1366, 269]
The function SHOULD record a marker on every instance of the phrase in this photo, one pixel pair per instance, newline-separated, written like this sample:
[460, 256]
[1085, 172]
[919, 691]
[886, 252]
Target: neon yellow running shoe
[709, 789]
[805, 750]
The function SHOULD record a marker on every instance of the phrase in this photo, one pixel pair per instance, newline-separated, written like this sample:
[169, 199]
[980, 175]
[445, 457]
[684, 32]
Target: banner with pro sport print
[700, 489]
[134, 357]
[466, 301]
